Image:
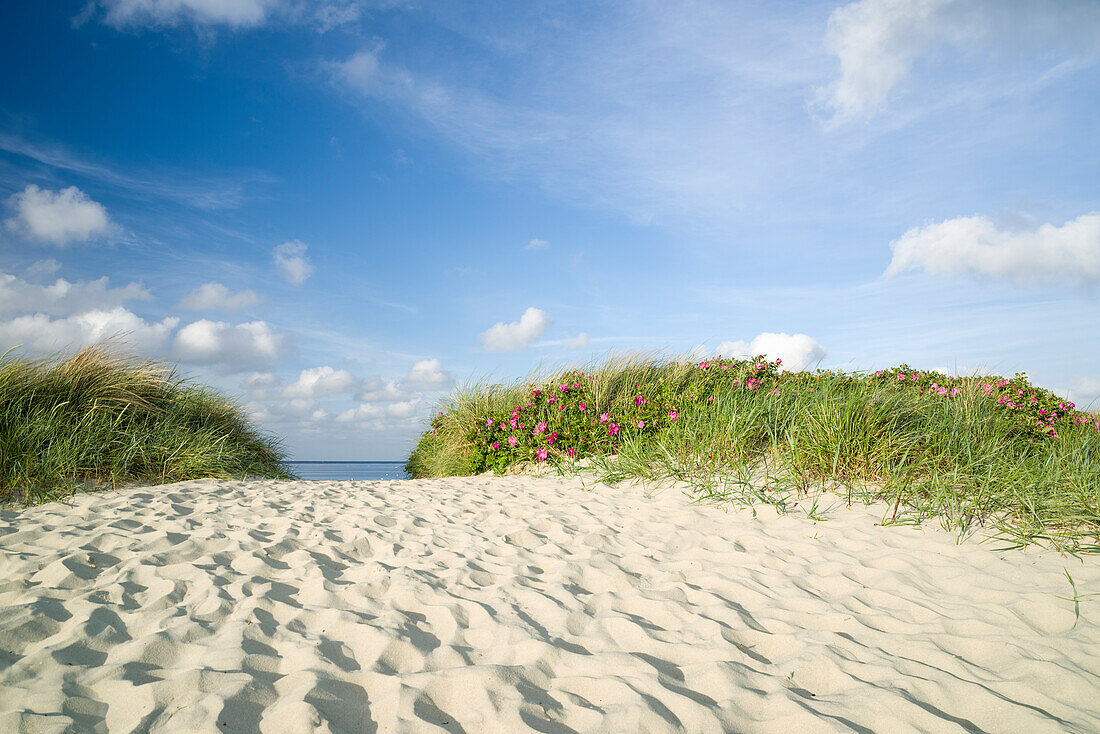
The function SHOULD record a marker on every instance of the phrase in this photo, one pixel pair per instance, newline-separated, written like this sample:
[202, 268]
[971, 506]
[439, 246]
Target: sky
[336, 212]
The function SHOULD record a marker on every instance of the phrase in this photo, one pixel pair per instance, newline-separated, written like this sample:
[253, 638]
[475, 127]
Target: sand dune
[524, 604]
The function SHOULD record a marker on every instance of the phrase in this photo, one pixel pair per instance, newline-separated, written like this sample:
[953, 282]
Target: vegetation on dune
[972, 451]
[99, 417]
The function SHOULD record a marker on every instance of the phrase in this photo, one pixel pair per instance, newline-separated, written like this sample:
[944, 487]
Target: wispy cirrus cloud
[323, 15]
[192, 190]
[878, 42]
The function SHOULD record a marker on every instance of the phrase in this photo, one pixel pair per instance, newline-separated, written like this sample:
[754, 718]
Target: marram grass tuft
[101, 418]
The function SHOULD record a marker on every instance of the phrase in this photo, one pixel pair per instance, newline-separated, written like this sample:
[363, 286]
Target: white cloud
[579, 341]
[291, 259]
[514, 336]
[64, 298]
[378, 416]
[1085, 393]
[877, 42]
[234, 13]
[38, 333]
[536, 244]
[428, 374]
[228, 347]
[42, 268]
[59, 218]
[318, 382]
[377, 390]
[322, 16]
[737, 350]
[212, 296]
[263, 385]
[798, 351]
[975, 246]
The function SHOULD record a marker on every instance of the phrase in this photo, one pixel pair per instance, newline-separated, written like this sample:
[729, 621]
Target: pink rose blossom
[512, 441]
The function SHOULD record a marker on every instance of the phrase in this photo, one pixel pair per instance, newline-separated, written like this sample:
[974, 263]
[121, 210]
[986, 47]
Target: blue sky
[335, 211]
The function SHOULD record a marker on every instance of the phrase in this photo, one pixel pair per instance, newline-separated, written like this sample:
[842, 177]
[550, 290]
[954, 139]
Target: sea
[364, 470]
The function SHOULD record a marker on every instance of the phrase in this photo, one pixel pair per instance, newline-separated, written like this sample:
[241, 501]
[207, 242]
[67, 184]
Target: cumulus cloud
[317, 382]
[975, 246]
[290, 257]
[216, 296]
[229, 347]
[64, 298]
[536, 244]
[514, 336]
[57, 217]
[38, 333]
[428, 374]
[798, 351]
[155, 13]
[378, 416]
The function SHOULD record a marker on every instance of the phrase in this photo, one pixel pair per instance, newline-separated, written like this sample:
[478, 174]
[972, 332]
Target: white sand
[519, 604]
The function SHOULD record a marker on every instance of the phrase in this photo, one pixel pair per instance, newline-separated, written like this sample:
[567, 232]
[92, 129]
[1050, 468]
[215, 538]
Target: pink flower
[901, 376]
[514, 423]
[540, 427]
[641, 424]
[612, 430]
[778, 361]
[537, 393]
[563, 388]
[541, 453]
[710, 399]
[639, 400]
[496, 445]
[552, 438]
[488, 422]
[703, 365]
[550, 400]
[673, 416]
[736, 383]
[571, 453]
[512, 441]
[582, 406]
[605, 418]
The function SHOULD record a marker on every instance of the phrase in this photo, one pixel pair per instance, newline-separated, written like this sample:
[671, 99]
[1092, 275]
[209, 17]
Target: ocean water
[365, 470]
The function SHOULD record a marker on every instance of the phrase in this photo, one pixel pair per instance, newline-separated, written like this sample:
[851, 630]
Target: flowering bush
[572, 418]
[1037, 413]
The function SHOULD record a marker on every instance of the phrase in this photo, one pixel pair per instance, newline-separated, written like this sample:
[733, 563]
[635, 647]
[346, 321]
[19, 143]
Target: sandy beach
[524, 604]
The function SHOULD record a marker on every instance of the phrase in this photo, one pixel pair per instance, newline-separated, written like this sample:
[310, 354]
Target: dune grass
[973, 452]
[100, 418]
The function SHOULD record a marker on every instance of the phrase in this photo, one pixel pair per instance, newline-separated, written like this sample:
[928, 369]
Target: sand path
[523, 604]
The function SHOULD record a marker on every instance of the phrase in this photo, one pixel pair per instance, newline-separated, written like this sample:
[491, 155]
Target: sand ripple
[523, 604]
